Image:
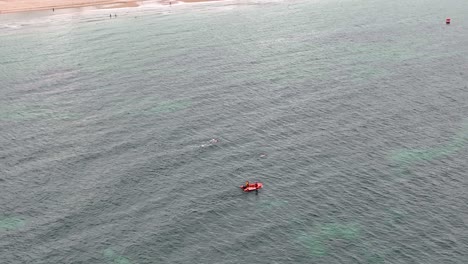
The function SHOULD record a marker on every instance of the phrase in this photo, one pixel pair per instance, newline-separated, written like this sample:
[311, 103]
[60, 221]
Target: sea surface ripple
[353, 114]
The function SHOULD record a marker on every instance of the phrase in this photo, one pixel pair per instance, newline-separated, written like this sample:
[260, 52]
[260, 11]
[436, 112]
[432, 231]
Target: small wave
[10, 26]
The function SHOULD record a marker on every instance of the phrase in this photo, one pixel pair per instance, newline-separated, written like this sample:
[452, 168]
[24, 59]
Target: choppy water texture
[352, 113]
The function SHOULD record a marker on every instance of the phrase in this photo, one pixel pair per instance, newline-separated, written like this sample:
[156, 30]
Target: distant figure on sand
[53, 9]
[115, 15]
[110, 16]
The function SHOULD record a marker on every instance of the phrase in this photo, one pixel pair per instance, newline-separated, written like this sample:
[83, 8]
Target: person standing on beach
[53, 9]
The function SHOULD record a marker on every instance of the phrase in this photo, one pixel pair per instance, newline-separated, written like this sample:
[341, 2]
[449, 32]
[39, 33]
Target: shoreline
[22, 6]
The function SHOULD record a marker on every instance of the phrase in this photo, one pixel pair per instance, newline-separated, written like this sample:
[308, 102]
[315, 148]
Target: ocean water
[353, 114]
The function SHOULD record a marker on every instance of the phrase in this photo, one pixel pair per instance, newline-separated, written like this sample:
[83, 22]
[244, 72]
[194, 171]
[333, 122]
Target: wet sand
[13, 6]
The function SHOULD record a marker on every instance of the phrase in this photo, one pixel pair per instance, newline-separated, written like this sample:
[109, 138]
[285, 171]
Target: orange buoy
[447, 21]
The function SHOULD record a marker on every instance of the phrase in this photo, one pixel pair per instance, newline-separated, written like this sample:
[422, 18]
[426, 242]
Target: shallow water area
[125, 139]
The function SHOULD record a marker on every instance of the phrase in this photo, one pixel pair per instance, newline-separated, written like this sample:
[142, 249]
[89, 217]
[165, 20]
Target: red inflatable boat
[252, 187]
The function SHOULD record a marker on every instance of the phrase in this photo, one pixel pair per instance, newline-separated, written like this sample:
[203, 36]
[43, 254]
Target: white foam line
[17, 21]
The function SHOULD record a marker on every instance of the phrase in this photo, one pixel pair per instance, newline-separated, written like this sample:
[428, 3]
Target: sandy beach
[12, 6]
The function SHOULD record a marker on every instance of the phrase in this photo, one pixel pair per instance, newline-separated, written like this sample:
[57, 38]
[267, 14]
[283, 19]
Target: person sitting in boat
[246, 184]
[256, 185]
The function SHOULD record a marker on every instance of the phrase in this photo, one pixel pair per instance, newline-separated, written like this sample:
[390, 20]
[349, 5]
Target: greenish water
[351, 113]
[10, 223]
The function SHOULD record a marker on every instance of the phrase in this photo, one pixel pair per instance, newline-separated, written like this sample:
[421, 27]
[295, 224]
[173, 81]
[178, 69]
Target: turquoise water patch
[416, 155]
[110, 255]
[149, 107]
[32, 113]
[332, 231]
[324, 241]
[316, 240]
[11, 223]
[395, 216]
[314, 244]
[272, 204]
